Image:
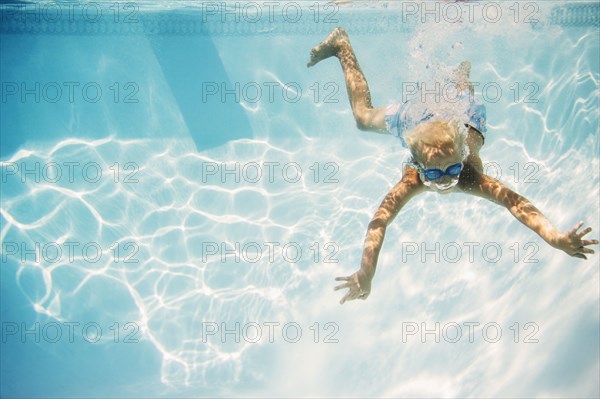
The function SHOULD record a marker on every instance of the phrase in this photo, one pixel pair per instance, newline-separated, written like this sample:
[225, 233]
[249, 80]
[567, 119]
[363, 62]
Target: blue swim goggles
[434, 174]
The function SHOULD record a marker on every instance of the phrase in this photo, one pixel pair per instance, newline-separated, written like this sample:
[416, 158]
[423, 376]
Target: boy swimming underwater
[445, 158]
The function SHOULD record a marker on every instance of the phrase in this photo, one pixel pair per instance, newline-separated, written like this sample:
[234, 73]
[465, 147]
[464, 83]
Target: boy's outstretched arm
[359, 283]
[570, 241]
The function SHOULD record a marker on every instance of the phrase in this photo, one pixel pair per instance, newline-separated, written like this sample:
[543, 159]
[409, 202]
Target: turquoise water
[169, 178]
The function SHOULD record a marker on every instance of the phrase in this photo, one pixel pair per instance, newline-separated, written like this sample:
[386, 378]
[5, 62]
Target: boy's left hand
[572, 243]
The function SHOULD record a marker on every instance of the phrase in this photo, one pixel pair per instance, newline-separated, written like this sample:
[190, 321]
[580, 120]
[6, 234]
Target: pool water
[193, 190]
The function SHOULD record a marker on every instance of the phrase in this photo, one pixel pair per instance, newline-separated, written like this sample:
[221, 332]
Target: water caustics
[238, 233]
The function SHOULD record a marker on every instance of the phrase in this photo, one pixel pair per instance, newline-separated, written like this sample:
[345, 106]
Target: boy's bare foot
[328, 47]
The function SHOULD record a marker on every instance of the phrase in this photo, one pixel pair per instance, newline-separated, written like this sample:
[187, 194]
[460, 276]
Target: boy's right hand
[359, 285]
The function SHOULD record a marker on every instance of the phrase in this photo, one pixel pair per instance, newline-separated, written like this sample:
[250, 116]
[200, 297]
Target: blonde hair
[432, 140]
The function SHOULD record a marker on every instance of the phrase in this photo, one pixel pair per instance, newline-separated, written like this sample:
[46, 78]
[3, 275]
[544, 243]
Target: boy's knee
[361, 124]
[362, 120]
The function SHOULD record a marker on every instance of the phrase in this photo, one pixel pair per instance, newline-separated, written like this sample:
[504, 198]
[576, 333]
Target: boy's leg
[338, 44]
[474, 139]
[461, 76]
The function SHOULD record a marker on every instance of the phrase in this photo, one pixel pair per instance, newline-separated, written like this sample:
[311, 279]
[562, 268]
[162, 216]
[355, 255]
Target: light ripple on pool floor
[177, 206]
[170, 217]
